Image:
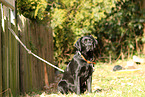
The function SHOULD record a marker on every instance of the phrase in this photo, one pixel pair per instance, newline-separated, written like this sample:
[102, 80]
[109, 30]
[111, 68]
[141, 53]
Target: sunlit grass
[113, 84]
[120, 84]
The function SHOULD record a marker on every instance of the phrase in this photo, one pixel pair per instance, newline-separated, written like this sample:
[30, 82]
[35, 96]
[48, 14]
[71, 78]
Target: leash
[29, 52]
[89, 62]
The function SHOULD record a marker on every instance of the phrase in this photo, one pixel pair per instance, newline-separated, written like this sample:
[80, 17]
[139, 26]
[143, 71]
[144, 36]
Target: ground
[107, 83]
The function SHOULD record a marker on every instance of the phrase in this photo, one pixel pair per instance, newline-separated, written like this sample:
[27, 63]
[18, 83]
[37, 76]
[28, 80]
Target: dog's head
[86, 43]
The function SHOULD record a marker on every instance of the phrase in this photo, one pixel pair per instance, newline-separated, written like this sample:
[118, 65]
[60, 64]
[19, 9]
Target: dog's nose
[89, 47]
[89, 44]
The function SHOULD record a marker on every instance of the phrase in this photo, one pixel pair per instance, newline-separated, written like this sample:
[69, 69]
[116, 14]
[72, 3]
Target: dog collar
[89, 62]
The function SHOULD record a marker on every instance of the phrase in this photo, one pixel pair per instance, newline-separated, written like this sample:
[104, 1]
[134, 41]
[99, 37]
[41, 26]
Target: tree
[75, 18]
[117, 24]
[120, 32]
[33, 9]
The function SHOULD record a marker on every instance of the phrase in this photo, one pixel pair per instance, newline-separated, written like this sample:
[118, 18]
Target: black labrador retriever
[77, 76]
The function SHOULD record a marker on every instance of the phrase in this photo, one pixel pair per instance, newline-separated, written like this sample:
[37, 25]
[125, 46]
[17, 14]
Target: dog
[77, 77]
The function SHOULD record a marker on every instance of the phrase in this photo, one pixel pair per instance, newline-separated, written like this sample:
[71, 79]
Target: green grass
[113, 84]
[124, 84]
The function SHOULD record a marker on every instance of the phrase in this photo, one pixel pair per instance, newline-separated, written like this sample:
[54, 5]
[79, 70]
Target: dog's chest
[86, 70]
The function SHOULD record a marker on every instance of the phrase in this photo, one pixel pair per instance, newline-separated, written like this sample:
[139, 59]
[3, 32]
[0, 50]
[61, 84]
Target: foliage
[117, 24]
[33, 9]
[75, 18]
[121, 31]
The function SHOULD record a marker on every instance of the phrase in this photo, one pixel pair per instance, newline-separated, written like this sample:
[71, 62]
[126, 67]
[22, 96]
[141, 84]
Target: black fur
[78, 74]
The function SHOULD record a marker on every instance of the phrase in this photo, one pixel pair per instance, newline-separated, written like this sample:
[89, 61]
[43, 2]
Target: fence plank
[14, 65]
[50, 53]
[44, 51]
[23, 80]
[34, 40]
[0, 54]
[26, 69]
[29, 67]
[5, 59]
[17, 62]
[10, 68]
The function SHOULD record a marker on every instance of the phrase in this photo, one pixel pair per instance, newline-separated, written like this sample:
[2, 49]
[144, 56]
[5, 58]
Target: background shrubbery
[117, 25]
[121, 31]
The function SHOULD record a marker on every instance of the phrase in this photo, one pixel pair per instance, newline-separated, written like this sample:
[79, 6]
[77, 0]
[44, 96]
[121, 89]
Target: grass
[128, 84]
[113, 84]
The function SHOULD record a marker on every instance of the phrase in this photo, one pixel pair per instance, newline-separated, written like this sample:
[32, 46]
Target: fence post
[0, 56]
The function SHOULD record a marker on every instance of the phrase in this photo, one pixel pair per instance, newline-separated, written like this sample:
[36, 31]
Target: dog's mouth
[89, 52]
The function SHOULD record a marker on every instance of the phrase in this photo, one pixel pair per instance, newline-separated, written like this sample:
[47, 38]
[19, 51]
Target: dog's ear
[78, 44]
[95, 42]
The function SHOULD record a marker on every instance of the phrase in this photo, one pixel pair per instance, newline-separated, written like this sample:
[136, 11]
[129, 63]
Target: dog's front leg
[77, 85]
[89, 84]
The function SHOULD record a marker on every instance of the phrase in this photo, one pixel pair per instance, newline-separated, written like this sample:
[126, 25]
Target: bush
[117, 25]
[33, 9]
[73, 19]
[121, 31]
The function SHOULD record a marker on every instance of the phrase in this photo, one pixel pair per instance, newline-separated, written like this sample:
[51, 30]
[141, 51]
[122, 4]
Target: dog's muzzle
[89, 47]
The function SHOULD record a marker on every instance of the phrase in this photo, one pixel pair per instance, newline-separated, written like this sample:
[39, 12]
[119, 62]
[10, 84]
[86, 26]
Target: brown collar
[89, 62]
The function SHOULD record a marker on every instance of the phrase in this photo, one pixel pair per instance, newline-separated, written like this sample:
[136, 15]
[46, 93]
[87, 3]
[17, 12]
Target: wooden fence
[19, 71]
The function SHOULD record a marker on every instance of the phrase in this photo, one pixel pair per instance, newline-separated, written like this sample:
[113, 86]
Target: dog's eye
[85, 41]
[90, 40]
